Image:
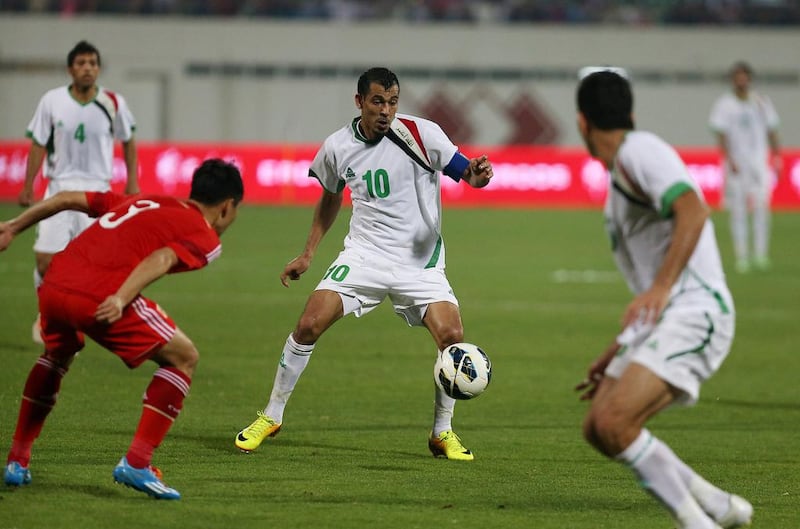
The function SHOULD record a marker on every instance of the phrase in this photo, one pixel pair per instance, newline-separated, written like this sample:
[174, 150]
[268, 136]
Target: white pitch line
[585, 276]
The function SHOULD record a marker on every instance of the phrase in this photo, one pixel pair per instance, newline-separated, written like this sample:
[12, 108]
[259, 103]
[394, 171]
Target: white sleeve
[438, 146]
[40, 128]
[659, 171]
[718, 120]
[323, 168]
[124, 122]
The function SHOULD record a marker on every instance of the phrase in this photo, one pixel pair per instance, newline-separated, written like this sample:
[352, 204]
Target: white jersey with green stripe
[647, 176]
[80, 136]
[745, 124]
[396, 198]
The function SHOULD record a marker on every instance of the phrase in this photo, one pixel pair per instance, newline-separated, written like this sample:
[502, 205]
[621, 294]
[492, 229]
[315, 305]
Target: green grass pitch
[538, 291]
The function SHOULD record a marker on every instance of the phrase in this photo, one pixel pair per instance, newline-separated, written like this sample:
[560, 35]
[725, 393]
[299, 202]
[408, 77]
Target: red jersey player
[93, 288]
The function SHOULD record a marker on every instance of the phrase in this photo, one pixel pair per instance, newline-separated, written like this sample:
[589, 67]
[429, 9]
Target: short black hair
[606, 100]
[741, 66]
[82, 48]
[383, 76]
[216, 181]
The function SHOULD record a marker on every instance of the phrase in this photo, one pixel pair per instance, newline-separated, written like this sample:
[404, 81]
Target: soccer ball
[462, 371]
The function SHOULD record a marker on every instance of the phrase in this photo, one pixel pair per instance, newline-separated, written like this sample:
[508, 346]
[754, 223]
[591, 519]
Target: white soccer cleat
[740, 513]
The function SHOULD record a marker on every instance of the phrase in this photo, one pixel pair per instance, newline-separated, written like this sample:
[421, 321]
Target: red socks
[38, 398]
[163, 401]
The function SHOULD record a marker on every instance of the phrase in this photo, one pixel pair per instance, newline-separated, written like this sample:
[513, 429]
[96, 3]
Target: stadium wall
[236, 80]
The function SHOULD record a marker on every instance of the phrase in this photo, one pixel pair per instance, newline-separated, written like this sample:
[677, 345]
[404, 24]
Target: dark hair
[383, 76]
[741, 66]
[606, 101]
[216, 181]
[82, 48]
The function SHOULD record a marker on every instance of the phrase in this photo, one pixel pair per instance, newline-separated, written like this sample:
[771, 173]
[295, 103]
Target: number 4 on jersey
[80, 133]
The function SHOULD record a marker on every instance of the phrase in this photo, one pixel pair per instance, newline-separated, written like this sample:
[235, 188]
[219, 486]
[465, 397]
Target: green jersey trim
[436, 251]
[339, 188]
[714, 293]
[360, 137]
[81, 103]
[671, 195]
[700, 349]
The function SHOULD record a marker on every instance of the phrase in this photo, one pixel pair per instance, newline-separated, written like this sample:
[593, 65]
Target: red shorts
[66, 316]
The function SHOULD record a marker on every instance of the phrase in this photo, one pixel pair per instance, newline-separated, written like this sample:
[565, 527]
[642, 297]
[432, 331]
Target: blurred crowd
[632, 12]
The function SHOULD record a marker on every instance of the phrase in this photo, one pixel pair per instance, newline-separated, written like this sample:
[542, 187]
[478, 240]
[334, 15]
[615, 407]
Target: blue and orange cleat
[144, 480]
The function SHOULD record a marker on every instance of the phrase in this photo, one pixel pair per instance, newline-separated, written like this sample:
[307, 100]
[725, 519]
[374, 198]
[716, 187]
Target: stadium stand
[630, 12]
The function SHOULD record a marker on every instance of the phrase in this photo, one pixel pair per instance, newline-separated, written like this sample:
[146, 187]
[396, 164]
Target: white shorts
[363, 281]
[683, 349]
[750, 186]
[54, 233]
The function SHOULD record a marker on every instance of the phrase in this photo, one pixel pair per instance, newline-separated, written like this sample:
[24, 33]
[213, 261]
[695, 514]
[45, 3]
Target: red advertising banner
[524, 176]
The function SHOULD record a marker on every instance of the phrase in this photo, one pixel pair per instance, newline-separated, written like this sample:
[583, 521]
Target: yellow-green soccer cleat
[448, 444]
[251, 437]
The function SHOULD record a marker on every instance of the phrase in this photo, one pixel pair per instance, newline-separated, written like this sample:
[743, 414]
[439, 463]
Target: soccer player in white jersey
[746, 125]
[73, 131]
[679, 326]
[391, 164]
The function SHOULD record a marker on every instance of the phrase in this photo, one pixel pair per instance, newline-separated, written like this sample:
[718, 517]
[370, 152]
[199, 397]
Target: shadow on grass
[758, 405]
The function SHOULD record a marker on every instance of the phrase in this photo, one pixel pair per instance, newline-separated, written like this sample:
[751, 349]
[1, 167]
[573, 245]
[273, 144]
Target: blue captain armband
[458, 164]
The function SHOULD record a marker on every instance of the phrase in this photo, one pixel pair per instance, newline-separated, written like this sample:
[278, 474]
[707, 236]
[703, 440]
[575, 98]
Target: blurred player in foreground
[746, 126]
[93, 288]
[679, 327]
[391, 163]
[73, 131]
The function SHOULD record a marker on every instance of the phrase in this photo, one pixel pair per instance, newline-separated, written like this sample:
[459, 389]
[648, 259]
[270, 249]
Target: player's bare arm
[325, 213]
[36, 155]
[776, 160]
[154, 266]
[132, 167]
[722, 141]
[479, 172]
[689, 217]
[75, 200]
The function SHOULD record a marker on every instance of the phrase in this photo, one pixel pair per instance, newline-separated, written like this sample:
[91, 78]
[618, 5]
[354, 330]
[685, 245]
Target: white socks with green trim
[294, 360]
[689, 497]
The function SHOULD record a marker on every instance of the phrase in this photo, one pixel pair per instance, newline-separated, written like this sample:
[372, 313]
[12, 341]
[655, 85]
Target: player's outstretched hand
[294, 269]
[109, 310]
[6, 235]
[480, 171]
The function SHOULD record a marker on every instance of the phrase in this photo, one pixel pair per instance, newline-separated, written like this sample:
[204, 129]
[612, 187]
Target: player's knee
[308, 329]
[189, 360]
[605, 429]
[180, 354]
[448, 335]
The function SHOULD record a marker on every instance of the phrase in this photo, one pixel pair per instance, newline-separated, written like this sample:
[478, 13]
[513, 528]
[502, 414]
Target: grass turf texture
[353, 451]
